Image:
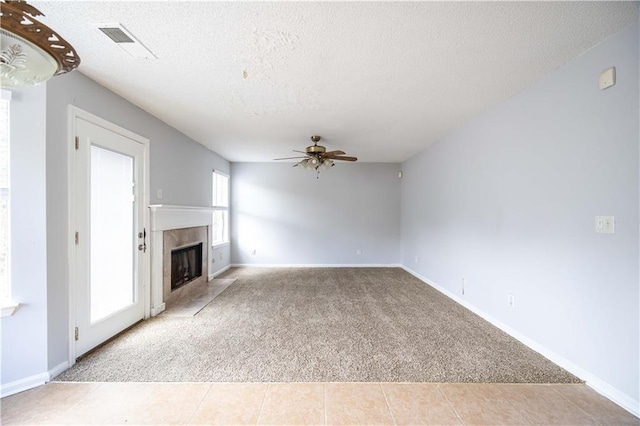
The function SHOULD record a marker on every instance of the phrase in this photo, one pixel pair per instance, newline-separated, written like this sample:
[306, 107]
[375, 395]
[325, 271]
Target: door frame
[73, 114]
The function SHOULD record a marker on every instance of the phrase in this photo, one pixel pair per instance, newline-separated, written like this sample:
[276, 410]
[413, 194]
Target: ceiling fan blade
[287, 158]
[333, 153]
[345, 158]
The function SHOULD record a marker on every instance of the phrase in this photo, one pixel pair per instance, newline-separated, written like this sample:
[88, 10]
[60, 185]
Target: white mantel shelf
[164, 218]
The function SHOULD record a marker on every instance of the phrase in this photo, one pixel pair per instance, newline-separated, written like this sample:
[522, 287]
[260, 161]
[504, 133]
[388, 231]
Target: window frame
[227, 231]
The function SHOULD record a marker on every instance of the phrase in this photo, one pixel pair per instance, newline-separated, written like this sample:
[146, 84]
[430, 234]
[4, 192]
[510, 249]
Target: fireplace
[186, 265]
[184, 261]
[174, 228]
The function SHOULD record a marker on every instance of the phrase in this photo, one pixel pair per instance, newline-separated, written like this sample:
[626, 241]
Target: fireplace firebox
[186, 265]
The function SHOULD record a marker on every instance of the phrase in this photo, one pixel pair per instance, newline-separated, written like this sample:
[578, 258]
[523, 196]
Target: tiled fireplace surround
[178, 238]
[172, 227]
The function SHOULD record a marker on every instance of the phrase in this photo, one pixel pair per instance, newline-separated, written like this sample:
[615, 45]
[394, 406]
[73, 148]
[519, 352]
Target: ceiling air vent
[123, 38]
[117, 35]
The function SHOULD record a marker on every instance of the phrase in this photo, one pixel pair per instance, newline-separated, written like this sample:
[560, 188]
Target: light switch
[607, 78]
[605, 225]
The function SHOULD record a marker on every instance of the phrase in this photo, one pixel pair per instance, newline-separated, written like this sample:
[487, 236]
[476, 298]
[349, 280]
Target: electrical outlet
[511, 300]
[220, 255]
[253, 252]
[416, 259]
[159, 194]
[358, 252]
[464, 284]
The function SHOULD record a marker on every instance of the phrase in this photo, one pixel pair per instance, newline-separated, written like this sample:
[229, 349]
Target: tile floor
[311, 403]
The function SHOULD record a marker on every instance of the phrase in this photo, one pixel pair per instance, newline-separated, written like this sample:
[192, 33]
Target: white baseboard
[33, 381]
[58, 369]
[157, 310]
[317, 265]
[597, 384]
[613, 394]
[215, 274]
[24, 384]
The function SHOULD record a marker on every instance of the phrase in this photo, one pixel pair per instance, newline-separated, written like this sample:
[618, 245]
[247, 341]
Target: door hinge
[77, 143]
[77, 237]
[77, 333]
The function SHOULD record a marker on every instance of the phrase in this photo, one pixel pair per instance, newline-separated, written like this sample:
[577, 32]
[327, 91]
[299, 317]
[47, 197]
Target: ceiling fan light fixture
[317, 158]
[30, 52]
[303, 163]
[309, 165]
[327, 164]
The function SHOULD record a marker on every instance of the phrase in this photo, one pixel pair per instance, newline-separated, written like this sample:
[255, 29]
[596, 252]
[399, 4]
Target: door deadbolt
[143, 235]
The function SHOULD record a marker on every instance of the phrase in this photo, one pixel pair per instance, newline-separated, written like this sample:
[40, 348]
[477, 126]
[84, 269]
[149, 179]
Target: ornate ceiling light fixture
[30, 52]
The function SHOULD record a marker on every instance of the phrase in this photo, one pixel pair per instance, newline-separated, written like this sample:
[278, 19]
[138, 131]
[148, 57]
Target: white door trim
[73, 114]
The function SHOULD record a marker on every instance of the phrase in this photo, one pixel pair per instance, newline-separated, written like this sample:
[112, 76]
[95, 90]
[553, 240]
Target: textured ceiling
[381, 81]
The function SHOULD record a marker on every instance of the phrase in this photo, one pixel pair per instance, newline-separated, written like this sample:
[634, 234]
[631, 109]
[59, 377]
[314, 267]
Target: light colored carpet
[320, 324]
[194, 301]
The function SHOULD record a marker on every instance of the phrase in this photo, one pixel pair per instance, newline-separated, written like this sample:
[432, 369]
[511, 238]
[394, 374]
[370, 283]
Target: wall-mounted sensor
[400, 175]
[607, 78]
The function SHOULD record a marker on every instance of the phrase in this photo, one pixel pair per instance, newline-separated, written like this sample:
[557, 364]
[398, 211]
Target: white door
[110, 239]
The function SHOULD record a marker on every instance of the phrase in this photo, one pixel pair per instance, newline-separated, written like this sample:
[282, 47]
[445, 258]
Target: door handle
[143, 247]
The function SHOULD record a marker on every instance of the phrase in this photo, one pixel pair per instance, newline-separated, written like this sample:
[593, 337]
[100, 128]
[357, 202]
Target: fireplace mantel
[164, 218]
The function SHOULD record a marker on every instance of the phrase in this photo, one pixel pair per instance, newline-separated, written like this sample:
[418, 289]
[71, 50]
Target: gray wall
[24, 335]
[508, 203]
[290, 217]
[179, 166]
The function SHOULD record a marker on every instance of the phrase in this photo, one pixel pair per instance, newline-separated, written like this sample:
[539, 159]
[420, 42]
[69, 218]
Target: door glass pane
[112, 233]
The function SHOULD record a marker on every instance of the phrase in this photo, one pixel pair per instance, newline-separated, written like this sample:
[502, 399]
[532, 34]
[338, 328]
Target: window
[220, 203]
[5, 240]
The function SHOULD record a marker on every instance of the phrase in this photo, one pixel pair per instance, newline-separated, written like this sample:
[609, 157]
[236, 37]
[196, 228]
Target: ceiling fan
[317, 157]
